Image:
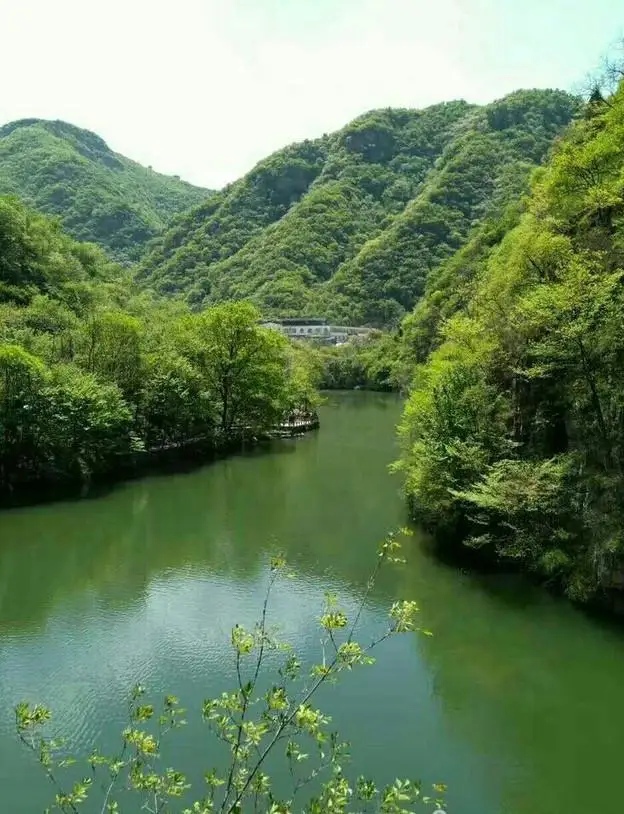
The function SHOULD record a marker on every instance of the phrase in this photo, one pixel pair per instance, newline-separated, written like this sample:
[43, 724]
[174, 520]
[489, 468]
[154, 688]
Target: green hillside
[221, 226]
[352, 224]
[100, 196]
[513, 435]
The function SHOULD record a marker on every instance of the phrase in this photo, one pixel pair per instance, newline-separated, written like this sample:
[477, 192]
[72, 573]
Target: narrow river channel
[516, 702]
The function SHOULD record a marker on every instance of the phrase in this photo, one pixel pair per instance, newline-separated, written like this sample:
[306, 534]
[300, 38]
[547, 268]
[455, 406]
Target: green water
[516, 702]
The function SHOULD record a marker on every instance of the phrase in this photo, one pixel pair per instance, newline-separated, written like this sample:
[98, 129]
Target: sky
[206, 88]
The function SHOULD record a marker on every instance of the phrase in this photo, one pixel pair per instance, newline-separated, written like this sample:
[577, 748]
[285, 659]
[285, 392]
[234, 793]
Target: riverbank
[449, 548]
[182, 456]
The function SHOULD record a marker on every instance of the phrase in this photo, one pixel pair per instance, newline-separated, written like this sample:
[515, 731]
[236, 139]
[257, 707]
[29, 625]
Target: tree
[86, 425]
[304, 374]
[22, 377]
[111, 347]
[175, 404]
[243, 364]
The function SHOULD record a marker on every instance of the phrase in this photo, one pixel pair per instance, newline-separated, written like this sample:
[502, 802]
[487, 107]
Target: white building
[314, 328]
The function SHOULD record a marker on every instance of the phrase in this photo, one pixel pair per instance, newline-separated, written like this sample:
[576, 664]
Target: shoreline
[182, 456]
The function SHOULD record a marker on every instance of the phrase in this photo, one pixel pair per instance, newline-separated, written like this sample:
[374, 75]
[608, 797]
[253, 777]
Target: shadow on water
[530, 681]
[300, 495]
[509, 584]
[158, 464]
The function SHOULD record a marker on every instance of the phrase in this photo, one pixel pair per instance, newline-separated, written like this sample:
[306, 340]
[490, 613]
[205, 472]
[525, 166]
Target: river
[515, 702]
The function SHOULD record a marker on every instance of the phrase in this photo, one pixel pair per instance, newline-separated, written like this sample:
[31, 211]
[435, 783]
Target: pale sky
[205, 88]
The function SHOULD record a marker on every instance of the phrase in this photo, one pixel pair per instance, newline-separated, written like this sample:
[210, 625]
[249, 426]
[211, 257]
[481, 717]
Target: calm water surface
[516, 702]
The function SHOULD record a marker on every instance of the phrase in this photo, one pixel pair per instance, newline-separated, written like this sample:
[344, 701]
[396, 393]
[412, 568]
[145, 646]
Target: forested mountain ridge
[101, 196]
[352, 224]
[513, 434]
[220, 226]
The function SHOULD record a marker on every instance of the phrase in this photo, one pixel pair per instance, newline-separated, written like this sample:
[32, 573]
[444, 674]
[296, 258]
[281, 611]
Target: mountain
[513, 433]
[100, 196]
[351, 225]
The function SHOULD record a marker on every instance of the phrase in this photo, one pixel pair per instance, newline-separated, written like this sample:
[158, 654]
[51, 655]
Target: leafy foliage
[352, 225]
[92, 371]
[100, 196]
[513, 436]
[366, 364]
[270, 715]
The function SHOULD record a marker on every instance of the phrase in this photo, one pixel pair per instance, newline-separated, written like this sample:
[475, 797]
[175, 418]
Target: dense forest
[491, 238]
[351, 225]
[93, 370]
[100, 196]
[513, 435]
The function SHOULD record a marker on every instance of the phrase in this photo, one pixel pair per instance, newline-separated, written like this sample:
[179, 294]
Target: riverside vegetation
[513, 434]
[92, 370]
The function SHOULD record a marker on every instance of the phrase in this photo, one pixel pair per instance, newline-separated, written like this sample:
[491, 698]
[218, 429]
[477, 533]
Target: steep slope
[101, 196]
[513, 435]
[371, 211]
[252, 240]
[483, 169]
[448, 289]
[373, 167]
[221, 226]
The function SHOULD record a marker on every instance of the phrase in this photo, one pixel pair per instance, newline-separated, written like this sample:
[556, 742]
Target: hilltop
[100, 196]
[352, 224]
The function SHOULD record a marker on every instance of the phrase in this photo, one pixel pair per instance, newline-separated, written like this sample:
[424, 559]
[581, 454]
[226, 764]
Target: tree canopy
[93, 370]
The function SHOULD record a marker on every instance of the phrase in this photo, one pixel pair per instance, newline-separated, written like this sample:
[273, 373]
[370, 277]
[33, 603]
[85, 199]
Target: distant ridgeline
[99, 195]
[353, 224]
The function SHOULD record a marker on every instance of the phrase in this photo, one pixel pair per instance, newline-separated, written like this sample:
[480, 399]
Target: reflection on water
[514, 702]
